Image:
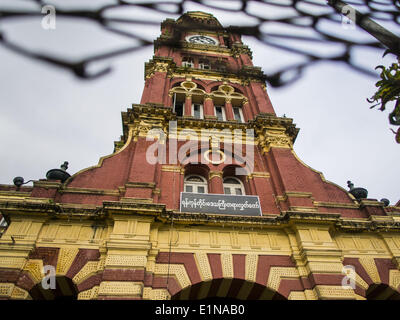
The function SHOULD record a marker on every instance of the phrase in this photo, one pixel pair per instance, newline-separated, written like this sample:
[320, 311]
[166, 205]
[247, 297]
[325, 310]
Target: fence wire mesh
[297, 28]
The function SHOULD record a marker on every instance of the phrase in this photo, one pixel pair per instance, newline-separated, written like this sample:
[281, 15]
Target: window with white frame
[187, 62]
[233, 186]
[197, 110]
[178, 103]
[195, 184]
[238, 114]
[3, 226]
[3, 223]
[204, 64]
[220, 112]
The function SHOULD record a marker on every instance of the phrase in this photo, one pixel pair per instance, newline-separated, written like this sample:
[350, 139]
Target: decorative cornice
[188, 46]
[273, 131]
[239, 48]
[336, 205]
[297, 194]
[136, 200]
[274, 137]
[90, 191]
[265, 120]
[270, 130]
[14, 194]
[371, 203]
[159, 64]
[150, 185]
[258, 175]
[159, 212]
[170, 168]
[46, 184]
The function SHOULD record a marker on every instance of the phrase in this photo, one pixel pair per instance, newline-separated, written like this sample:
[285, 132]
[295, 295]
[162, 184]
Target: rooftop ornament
[19, 181]
[385, 202]
[358, 193]
[59, 174]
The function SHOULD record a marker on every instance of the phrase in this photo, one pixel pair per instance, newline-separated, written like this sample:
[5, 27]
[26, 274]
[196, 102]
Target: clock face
[202, 40]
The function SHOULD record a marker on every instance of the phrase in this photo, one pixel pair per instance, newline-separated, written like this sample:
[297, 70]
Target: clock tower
[203, 197]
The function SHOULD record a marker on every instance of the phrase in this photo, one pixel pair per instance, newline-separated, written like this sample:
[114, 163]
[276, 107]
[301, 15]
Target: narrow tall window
[197, 110]
[227, 42]
[220, 113]
[233, 186]
[3, 226]
[204, 64]
[220, 66]
[179, 102]
[195, 184]
[187, 62]
[238, 114]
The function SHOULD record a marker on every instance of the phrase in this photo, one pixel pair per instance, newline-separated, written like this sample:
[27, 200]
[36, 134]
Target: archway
[65, 289]
[227, 290]
[381, 291]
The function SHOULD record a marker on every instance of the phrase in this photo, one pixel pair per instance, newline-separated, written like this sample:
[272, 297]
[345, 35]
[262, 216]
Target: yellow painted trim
[91, 191]
[336, 205]
[168, 168]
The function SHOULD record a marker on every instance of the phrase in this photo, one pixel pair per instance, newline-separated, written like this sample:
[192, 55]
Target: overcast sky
[48, 116]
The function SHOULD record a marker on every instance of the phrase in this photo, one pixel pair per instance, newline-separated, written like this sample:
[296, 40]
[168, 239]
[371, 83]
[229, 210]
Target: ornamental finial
[350, 185]
[64, 166]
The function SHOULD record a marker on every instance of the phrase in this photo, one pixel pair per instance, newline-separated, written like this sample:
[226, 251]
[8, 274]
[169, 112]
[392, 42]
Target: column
[229, 110]
[247, 112]
[188, 106]
[216, 184]
[128, 247]
[170, 100]
[321, 261]
[209, 108]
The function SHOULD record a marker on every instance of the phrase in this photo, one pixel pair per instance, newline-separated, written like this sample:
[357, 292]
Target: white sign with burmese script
[220, 204]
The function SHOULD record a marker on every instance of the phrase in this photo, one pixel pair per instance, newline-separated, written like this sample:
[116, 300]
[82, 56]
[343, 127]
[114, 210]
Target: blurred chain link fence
[305, 24]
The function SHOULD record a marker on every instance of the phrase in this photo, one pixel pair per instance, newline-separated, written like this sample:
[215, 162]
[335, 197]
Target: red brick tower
[205, 79]
[203, 197]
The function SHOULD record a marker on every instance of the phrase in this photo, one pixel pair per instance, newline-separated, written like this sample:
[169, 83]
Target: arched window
[233, 186]
[187, 62]
[195, 184]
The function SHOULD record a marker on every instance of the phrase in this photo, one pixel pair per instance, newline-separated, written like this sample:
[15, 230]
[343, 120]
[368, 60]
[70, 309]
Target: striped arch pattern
[73, 268]
[241, 276]
[380, 274]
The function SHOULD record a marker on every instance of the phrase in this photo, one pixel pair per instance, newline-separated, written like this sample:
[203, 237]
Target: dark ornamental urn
[59, 174]
[358, 193]
[18, 181]
[385, 201]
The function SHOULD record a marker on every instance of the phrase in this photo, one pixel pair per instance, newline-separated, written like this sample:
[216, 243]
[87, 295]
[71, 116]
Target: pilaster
[125, 264]
[216, 182]
[320, 262]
